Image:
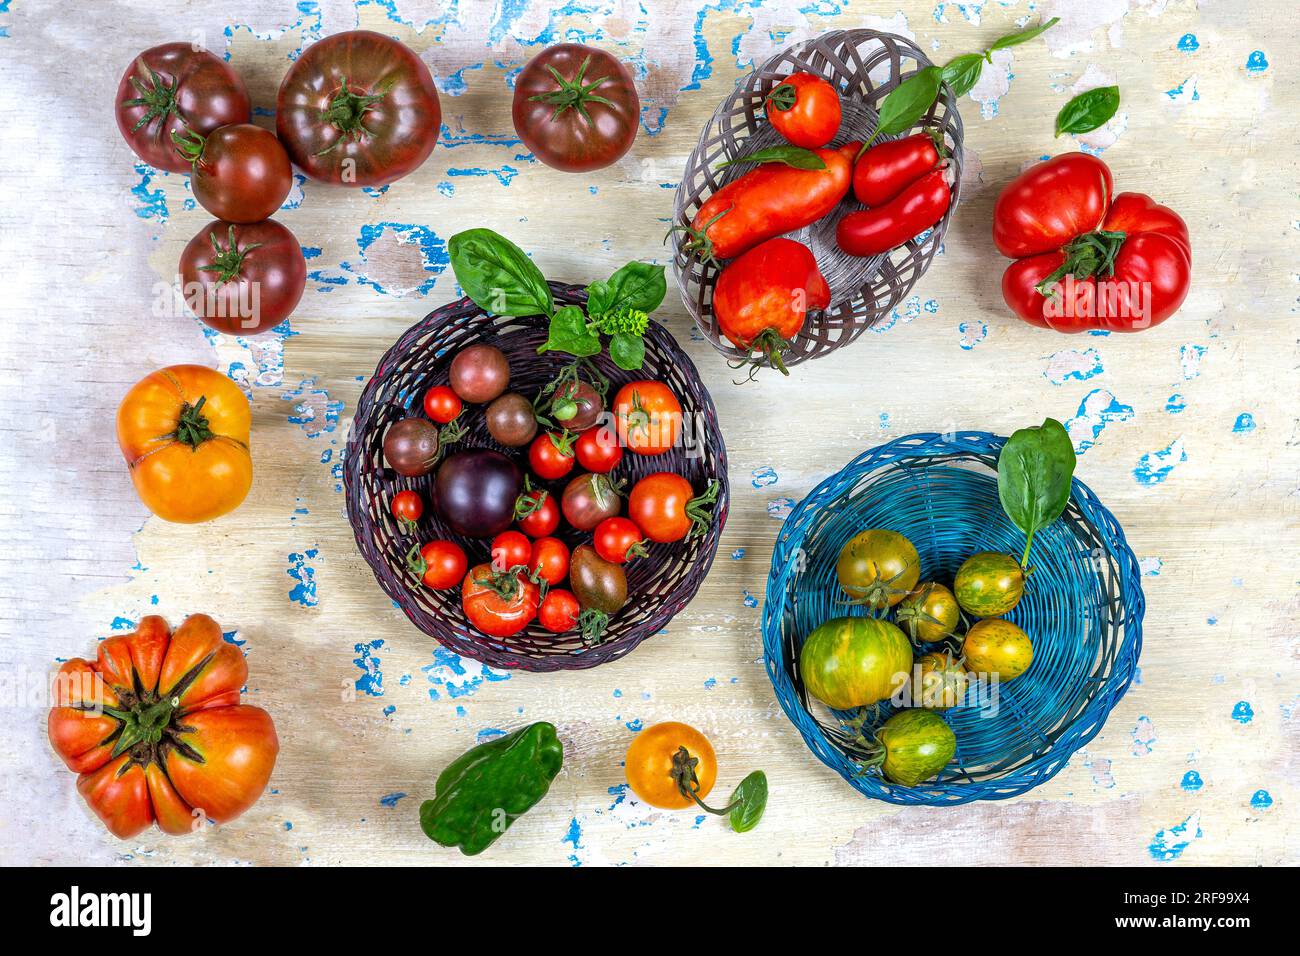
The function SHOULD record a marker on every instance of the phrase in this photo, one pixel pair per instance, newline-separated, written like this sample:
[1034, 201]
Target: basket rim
[1036, 770]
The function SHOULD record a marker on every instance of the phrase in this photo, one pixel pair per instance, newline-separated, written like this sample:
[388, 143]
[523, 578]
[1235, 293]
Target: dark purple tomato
[588, 500]
[577, 407]
[243, 279]
[476, 492]
[240, 173]
[510, 420]
[411, 447]
[479, 373]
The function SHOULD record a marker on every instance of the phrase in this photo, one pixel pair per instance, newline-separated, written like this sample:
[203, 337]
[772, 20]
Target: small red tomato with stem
[559, 611]
[442, 404]
[666, 508]
[238, 173]
[598, 450]
[804, 109]
[551, 455]
[885, 170]
[648, 417]
[537, 511]
[549, 561]
[407, 507]
[438, 564]
[619, 540]
[510, 549]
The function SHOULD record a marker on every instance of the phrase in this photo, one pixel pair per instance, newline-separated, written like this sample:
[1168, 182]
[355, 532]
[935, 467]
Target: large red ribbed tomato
[155, 728]
[358, 109]
[1083, 260]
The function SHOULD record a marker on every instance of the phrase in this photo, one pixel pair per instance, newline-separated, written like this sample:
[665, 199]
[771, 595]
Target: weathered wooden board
[1189, 432]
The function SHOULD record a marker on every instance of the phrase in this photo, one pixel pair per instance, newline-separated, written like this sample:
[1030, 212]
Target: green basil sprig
[1034, 472]
[795, 156]
[497, 275]
[1088, 111]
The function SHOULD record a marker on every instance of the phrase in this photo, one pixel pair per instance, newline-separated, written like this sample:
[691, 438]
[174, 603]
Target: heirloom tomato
[805, 110]
[239, 173]
[943, 681]
[655, 771]
[666, 508]
[989, 584]
[477, 492]
[499, 604]
[855, 661]
[648, 416]
[247, 285]
[995, 646]
[601, 589]
[551, 455]
[878, 568]
[915, 745]
[590, 499]
[929, 613]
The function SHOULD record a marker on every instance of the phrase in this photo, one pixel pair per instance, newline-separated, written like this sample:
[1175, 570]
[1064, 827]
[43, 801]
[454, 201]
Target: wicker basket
[659, 585]
[1082, 608]
[864, 66]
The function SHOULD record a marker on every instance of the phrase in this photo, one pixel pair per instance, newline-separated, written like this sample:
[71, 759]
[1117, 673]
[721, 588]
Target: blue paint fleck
[1245, 423]
[150, 203]
[1261, 800]
[433, 254]
[1192, 781]
[371, 681]
[1256, 63]
[1176, 404]
[1242, 712]
[780, 508]
[573, 836]
[1144, 737]
[737, 554]
[390, 800]
[1188, 43]
[457, 677]
[749, 599]
[1154, 467]
[1098, 409]
[304, 592]
[1169, 844]
[764, 476]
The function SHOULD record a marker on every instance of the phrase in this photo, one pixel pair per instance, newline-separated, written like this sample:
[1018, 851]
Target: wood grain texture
[1200, 763]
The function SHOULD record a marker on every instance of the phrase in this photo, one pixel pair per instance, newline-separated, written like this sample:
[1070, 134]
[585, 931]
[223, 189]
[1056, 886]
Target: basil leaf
[497, 275]
[795, 156]
[961, 73]
[752, 794]
[1024, 36]
[569, 333]
[1034, 471]
[638, 285]
[1087, 111]
[908, 102]
[627, 350]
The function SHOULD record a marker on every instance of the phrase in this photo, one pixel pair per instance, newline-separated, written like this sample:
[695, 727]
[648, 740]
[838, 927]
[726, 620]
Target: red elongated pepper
[768, 201]
[886, 170]
[919, 206]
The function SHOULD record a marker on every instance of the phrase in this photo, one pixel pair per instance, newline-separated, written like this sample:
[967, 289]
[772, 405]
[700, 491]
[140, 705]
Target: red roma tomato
[576, 107]
[805, 109]
[244, 279]
[549, 560]
[559, 611]
[510, 549]
[869, 232]
[884, 171]
[1084, 261]
[619, 540]
[155, 727]
[551, 455]
[407, 507]
[239, 173]
[358, 109]
[497, 604]
[648, 416]
[442, 404]
[537, 511]
[762, 298]
[598, 450]
[438, 564]
[665, 507]
[175, 88]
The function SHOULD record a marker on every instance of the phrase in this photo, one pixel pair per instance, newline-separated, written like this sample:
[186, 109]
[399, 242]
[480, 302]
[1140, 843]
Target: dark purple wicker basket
[659, 585]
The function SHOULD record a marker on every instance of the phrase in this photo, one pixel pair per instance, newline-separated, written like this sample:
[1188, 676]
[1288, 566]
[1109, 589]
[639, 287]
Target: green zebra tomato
[989, 584]
[878, 568]
[943, 681]
[851, 662]
[928, 614]
[997, 647]
[917, 744]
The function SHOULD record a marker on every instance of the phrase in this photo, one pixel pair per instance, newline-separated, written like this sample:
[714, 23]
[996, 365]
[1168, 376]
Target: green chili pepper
[489, 787]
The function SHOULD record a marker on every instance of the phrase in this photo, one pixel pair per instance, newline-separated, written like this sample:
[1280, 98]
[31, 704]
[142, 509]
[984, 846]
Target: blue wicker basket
[1082, 608]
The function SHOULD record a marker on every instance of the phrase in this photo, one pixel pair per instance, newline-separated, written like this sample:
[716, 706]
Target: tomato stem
[783, 97]
[683, 772]
[700, 509]
[573, 94]
[192, 425]
[190, 145]
[228, 261]
[1089, 255]
[592, 623]
[347, 113]
[157, 96]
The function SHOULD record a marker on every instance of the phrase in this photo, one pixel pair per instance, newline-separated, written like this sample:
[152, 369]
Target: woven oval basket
[1082, 608]
[864, 66]
[659, 585]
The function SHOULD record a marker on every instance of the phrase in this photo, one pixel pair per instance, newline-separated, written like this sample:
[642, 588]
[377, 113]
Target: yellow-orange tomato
[184, 433]
[649, 764]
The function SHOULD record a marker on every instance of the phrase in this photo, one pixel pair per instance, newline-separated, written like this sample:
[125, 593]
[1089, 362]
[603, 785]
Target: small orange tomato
[650, 765]
[649, 417]
[184, 433]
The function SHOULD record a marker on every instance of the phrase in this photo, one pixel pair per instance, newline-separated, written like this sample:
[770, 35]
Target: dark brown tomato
[598, 584]
[243, 279]
[411, 447]
[241, 173]
[358, 109]
[588, 500]
[170, 88]
[510, 420]
[576, 107]
[584, 403]
[479, 373]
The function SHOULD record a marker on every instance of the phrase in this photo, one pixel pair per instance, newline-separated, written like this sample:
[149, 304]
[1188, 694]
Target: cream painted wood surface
[1189, 433]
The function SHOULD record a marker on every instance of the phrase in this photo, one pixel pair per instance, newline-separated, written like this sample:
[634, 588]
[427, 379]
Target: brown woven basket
[863, 66]
[659, 585]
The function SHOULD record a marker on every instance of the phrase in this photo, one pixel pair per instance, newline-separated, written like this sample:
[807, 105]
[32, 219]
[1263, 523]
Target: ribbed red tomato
[499, 604]
[243, 279]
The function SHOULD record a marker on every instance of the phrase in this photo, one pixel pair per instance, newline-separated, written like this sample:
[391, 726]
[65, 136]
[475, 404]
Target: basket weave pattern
[1082, 608]
[864, 66]
[659, 585]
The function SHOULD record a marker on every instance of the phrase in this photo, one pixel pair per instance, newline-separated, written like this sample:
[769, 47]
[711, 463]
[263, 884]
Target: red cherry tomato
[805, 109]
[665, 506]
[884, 171]
[559, 611]
[551, 455]
[619, 540]
[870, 232]
[498, 604]
[407, 506]
[649, 417]
[598, 450]
[510, 549]
[549, 560]
[439, 564]
[442, 404]
[537, 512]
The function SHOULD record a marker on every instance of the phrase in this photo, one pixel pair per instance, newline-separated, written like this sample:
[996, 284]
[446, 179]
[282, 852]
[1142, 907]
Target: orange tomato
[649, 417]
[649, 765]
[184, 433]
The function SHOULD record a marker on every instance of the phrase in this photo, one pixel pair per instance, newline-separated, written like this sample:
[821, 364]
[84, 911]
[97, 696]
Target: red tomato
[619, 540]
[510, 549]
[442, 404]
[648, 416]
[885, 170]
[499, 604]
[537, 512]
[551, 455]
[598, 450]
[665, 507]
[407, 506]
[240, 173]
[869, 232]
[358, 109]
[559, 611]
[243, 279]
[805, 109]
[176, 88]
[1050, 204]
[438, 564]
[549, 560]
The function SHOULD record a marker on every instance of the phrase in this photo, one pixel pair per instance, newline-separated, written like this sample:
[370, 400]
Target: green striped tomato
[929, 613]
[878, 568]
[997, 647]
[855, 661]
[918, 744]
[989, 584]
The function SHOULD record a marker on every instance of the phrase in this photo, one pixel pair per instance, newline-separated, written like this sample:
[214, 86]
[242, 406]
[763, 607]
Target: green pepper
[491, 786]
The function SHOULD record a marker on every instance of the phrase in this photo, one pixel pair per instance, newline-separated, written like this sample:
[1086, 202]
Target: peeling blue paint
[390, 800]
[1257, 62]
[1154, 467]
[1188, 43]
[1261, 800]
[1098, 409]
[1169, 844]
[1192, 781]
[304, 592]
[1242, 712]
[371, 681]
[1245, 423]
